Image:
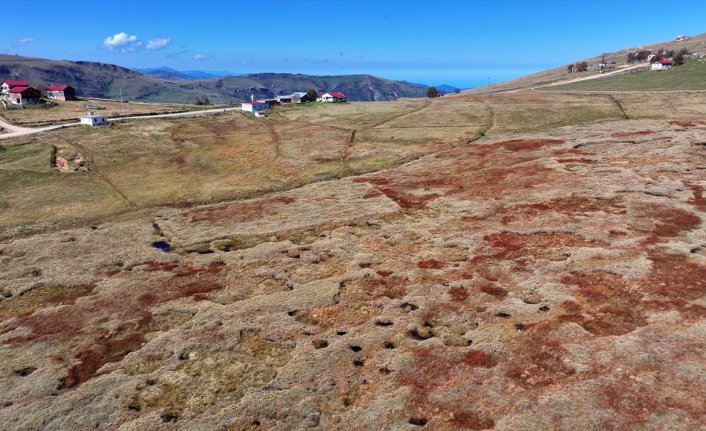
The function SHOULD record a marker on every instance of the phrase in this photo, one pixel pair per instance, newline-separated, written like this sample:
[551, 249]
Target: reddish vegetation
[373, 287]
[585, 161]
[698, 200]
[458, 293]
[571, 205]
[131, 307]
[517, 245]
[538, 359]
[633, 133]
[613, 306]
[105, 350]
[669, 221]
[431, 264]
[526, 144]
[238, 211]
[439, 370]
[493, 290]
[686, 123]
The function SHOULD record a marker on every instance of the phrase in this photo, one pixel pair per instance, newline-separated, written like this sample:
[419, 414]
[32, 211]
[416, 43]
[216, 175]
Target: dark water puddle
[161, 245]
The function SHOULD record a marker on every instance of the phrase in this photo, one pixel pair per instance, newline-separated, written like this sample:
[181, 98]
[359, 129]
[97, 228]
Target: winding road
[14, 131]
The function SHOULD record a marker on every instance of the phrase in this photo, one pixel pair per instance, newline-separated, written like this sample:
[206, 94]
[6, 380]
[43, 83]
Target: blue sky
[461, 43]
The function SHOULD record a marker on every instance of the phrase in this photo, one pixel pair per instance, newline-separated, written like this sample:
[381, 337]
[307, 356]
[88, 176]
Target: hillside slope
[93, 79]
[695, 43]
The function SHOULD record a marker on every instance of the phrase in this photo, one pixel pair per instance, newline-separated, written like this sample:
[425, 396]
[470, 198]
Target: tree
[642, 55]
[457, 90]
[432, 92]
[632, 57]
[311, 94]
[678, 59]
[581, 66]
[570, 68]
[603, 56]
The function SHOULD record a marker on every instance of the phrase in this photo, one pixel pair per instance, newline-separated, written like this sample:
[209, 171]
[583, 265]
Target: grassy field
[136, 165]
[689, 76]
[69, 111]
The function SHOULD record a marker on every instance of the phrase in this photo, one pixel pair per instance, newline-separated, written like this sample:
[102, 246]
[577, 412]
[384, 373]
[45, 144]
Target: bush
[432, 92]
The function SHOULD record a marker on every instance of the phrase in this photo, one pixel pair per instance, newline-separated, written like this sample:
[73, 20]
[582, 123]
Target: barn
[61, 92]
[25, 96]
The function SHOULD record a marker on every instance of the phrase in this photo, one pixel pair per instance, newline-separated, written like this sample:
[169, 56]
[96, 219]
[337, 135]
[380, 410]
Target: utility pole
[121, 99]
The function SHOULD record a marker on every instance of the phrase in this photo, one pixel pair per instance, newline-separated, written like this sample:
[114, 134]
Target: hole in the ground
[408, 306]
[544, 308]
[292, 313]
[415, 334]
[520, 326]
[388, 345]
[418, 421]
[358, 363]
[341, 332]
[26, 371]
[503, 314]
[161, 245]
[319, 344]
[355, 348]
[385, 370]
[383, 323]
[169, 417]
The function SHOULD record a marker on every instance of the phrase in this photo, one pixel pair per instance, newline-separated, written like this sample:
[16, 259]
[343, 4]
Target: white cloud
[158, 43]
[23, 40]
[122, 42]
[200, 56]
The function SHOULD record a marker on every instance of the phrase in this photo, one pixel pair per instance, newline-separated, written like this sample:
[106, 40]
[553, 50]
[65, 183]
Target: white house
[254, 106]
[10, 84]
[92, 119]
[661, 65]
[331, 97]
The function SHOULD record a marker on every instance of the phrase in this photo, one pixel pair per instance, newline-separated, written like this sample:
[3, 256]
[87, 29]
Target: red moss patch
[91, 322]
[431, 264]
[537, 359]
[633, 133]
[458, 293]
[698, 200]
[583, 161]
[527, 144]
[238, 211]
[669, 221]
[493, 290]
[441, 371]
[686, 123]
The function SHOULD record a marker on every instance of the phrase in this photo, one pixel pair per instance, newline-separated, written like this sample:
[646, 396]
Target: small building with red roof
[25, 96]
[661, 65]
[333, 97]
[10, 84]
[61, 92]
[255, 106]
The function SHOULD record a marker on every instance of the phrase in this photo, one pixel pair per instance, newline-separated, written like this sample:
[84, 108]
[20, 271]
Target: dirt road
[14, 131]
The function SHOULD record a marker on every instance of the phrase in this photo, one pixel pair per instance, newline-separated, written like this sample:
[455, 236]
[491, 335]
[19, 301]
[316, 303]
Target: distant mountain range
[184, 75]
[443, 88]
[93, 79]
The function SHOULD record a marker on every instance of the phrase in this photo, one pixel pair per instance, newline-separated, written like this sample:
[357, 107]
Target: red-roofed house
[332, 97]
[10, 84]
[61, 92]
[661, 65]
[254, 106]
[25, 96]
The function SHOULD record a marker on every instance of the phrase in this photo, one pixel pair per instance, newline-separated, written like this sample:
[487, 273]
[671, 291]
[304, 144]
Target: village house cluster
[257, 107]
[19, 92]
